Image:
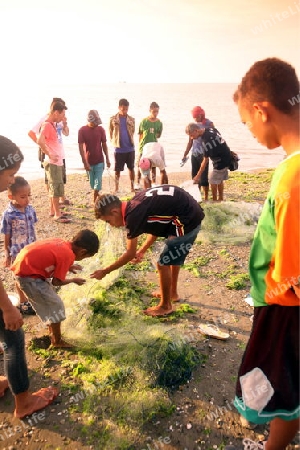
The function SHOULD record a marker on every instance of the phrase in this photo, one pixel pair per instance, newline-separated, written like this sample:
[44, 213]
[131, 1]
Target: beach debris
[213, 331]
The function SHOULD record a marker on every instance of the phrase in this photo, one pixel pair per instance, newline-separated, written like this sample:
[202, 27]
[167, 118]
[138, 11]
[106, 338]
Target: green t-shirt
[275, 258]
[150, 131]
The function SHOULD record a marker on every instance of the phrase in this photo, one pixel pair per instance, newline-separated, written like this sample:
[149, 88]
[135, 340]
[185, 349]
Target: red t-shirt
[92, 138]
[49, 258]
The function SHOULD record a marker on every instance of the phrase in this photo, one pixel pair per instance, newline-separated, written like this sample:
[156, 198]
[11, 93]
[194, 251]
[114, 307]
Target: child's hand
[98, 274]
[79, 281]
[75, 268]
[138, 257]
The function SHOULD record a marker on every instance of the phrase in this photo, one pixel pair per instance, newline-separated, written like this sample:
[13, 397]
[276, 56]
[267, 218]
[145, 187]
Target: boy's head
[194, 130]
[19, 192]
[123, 106]
[57, 111]
[85, 244]
[266, 97]
[10, 161]
[93, 118]
[154, 109]
[108, 207]
[198, 113]
[55, 100]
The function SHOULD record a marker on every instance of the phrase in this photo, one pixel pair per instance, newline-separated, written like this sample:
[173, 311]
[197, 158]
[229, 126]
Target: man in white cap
[153, 156]
[92, 146]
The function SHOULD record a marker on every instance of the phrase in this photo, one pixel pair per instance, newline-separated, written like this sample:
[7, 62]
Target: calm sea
[23, 106]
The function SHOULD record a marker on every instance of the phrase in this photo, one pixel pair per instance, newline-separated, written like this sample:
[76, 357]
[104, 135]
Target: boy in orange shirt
[52, 259]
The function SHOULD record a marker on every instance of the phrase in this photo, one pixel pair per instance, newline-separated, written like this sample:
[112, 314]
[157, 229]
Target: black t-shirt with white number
[215, 148]
[162, 211]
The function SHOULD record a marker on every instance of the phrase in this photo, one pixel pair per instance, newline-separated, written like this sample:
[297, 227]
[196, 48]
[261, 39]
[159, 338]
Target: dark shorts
[196, 163]
[64, 173]
[124, 158]
[176, 250]
[268, 381]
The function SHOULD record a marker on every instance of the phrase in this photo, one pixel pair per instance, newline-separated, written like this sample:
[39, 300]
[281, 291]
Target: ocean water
[23, 106]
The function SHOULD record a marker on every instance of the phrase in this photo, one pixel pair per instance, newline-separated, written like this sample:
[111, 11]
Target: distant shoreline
[33, 176]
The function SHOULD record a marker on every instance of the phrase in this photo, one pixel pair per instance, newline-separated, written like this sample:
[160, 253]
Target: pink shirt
[48, 130]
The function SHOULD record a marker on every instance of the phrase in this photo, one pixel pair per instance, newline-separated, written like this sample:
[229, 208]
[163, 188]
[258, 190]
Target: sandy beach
[197, 420]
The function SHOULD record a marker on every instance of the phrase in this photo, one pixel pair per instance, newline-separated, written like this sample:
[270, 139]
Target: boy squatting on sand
[52, 258]
[166, 211]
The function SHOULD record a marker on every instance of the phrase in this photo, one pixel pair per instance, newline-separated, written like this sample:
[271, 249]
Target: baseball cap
[196, 111]
[93, 117]
[145, 165]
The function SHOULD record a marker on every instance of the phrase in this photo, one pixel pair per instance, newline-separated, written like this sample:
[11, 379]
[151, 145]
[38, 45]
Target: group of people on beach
[205, 142]
[271, 359]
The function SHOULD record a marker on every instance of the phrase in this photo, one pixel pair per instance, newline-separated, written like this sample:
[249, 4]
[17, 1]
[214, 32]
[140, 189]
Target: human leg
[130, 165]
[63, 200]
[131, 177]
[153, 173]
[16, 371]
[95, 177]
[216, 179]
[138, 178]
[55, 335]
[117, 180]
[119, 167]
[174, 281]
[281, 434]
[56, 187]
[204, 181]
[165, 306]
[163, 177]
[172, 257]
[48, 306]
[214, 191]
[220, 191]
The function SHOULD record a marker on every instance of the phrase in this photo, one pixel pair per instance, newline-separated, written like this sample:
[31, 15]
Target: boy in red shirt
[52, 259]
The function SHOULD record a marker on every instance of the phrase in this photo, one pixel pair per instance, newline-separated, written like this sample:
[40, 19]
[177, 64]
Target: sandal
[213, 331]
[26, 308]
[62, 219]
[65, 202]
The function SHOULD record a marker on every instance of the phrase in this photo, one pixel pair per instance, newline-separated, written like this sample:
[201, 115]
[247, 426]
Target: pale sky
[183, 41]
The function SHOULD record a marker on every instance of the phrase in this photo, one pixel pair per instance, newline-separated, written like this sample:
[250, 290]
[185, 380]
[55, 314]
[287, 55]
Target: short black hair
[105, 203]
[58, 106]
[271, 80]
[10, 154]
[57, 99]
[88, 240]
[17, 184]
[154, 105]
[123, 102]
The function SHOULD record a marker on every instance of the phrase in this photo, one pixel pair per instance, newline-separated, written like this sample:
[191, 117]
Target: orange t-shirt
[49, 258]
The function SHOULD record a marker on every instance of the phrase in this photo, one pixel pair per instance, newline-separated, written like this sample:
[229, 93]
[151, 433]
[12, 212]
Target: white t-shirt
[155, 152]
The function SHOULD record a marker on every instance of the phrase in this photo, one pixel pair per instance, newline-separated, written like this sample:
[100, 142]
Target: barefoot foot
[35, 401]
[158, 311]
[61, 344]
[3, 385]
[175, 297]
